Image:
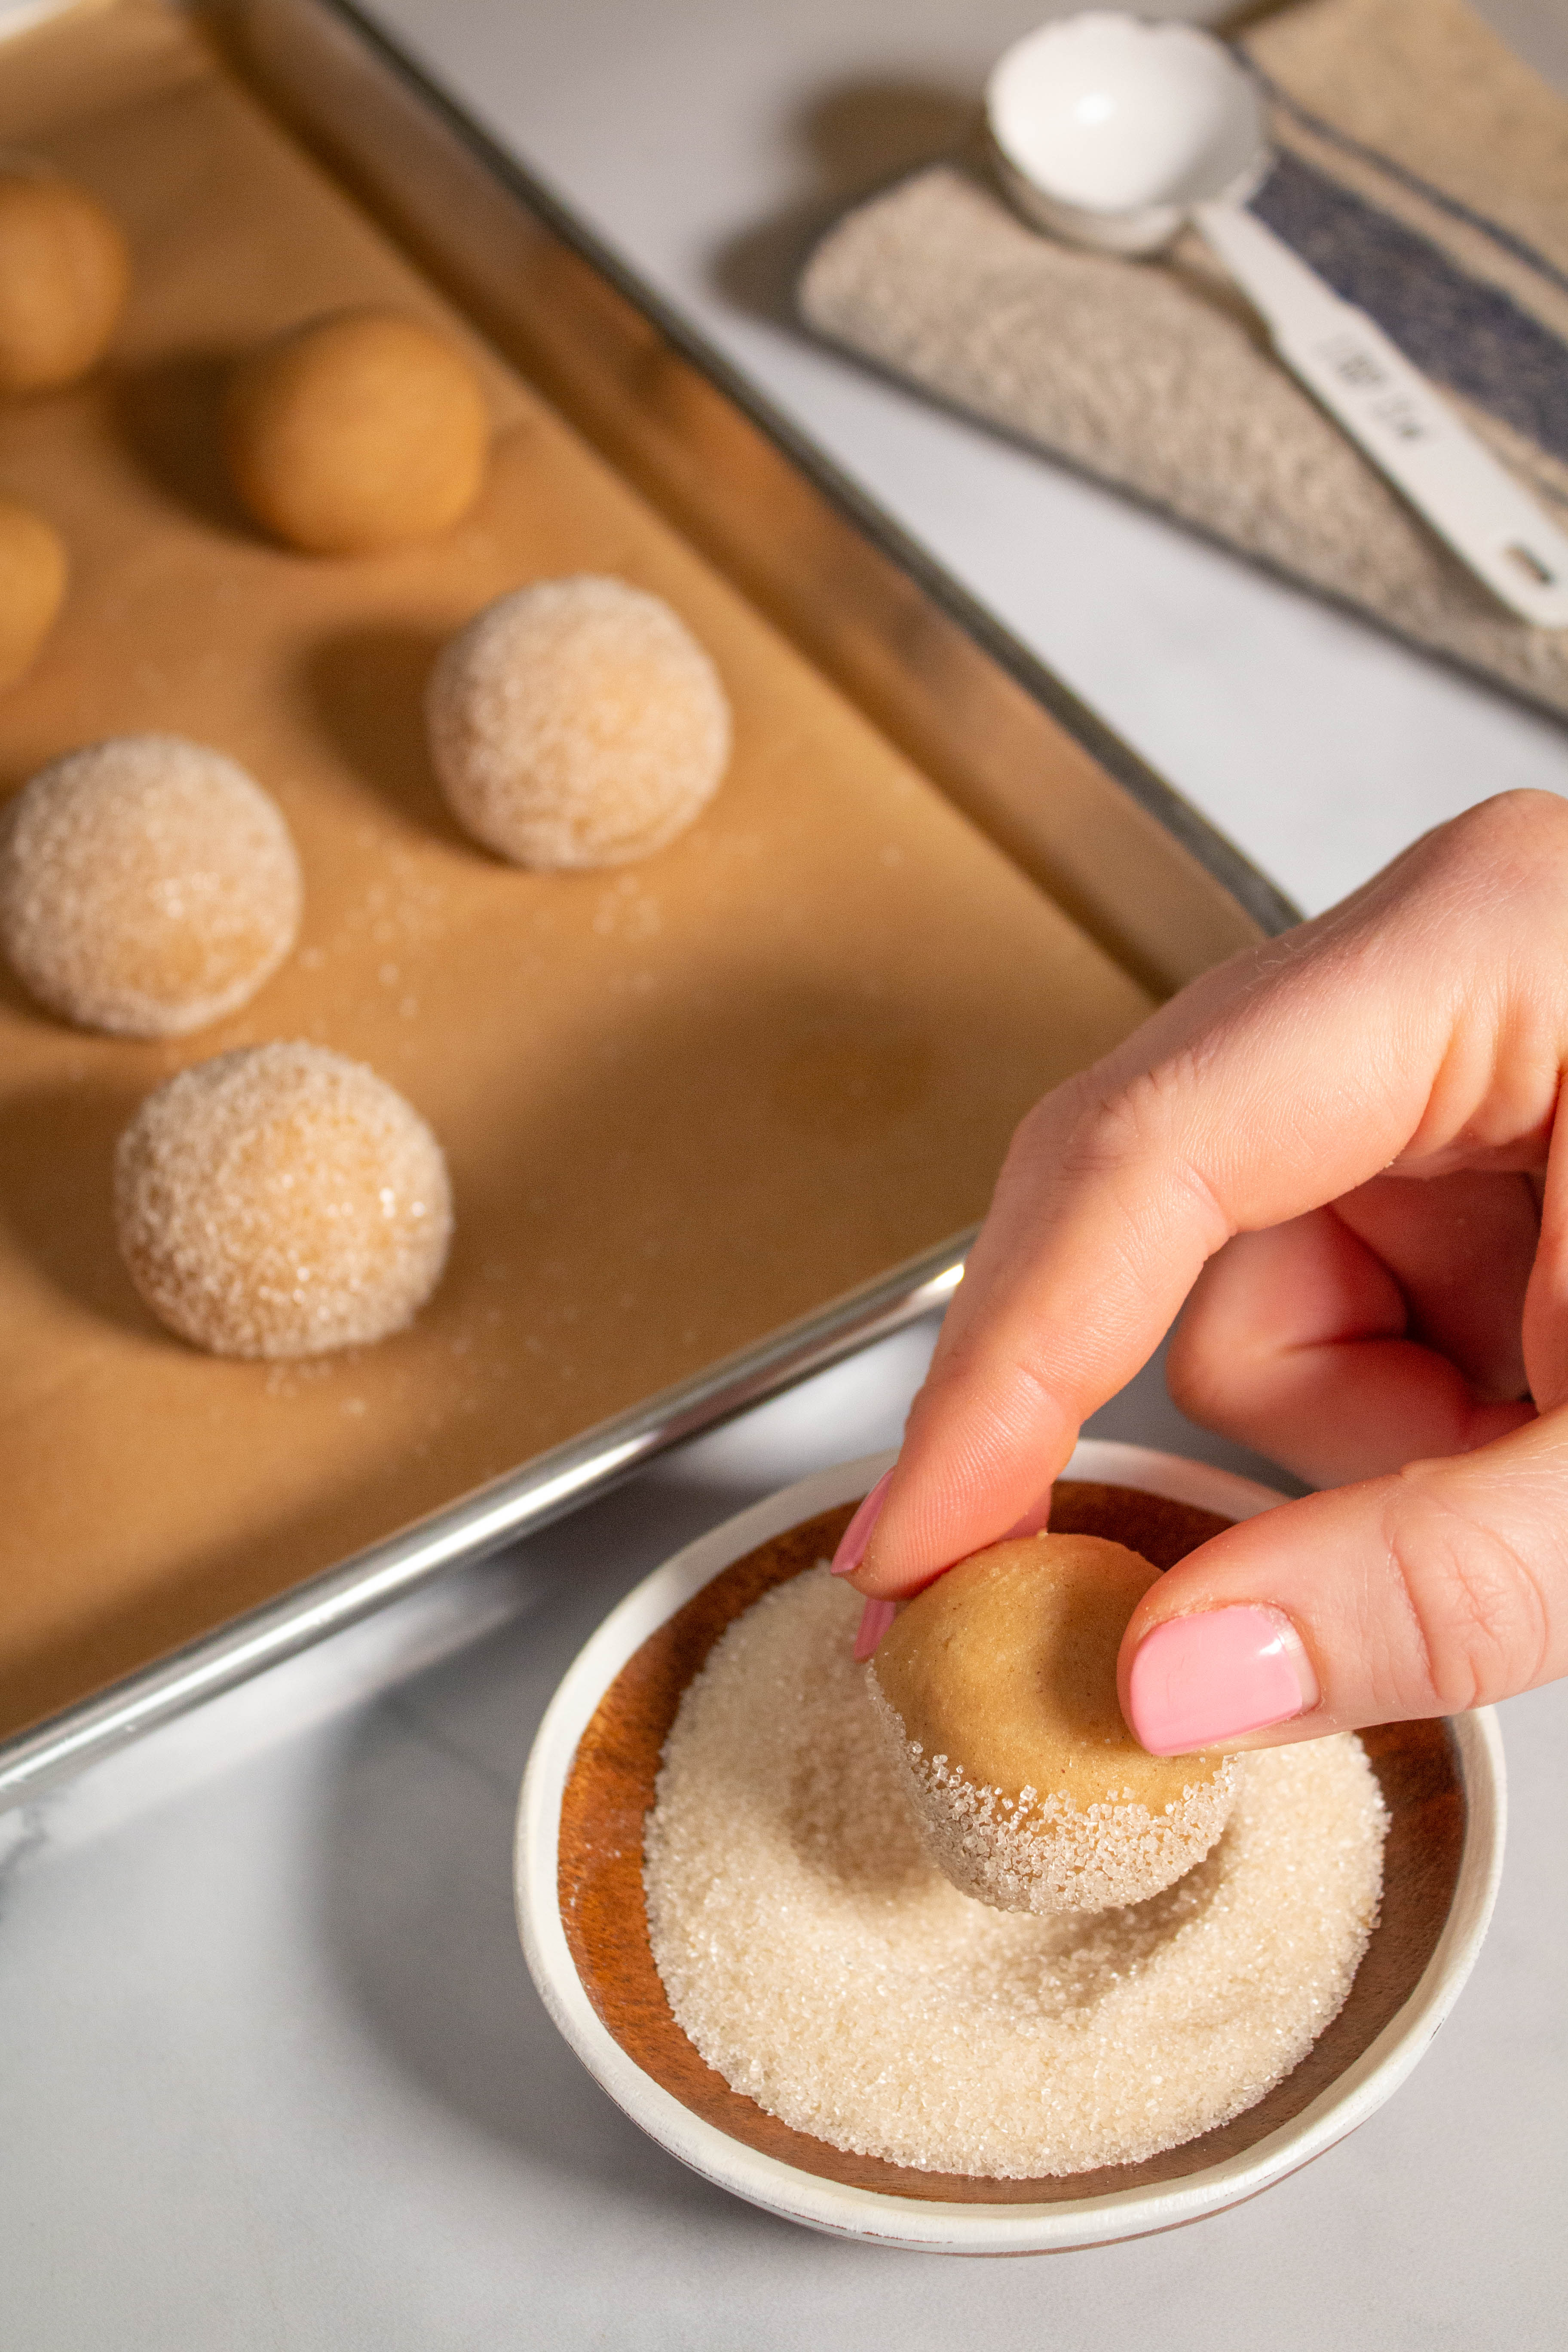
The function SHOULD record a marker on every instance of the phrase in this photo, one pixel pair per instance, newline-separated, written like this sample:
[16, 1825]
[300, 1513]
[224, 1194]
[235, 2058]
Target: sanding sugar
[821, 1962]
[1045, 1852]
[577, 723]
[148, 886]
[281, 1201]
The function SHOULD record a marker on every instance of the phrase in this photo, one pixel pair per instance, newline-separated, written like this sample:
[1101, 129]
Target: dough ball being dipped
[148, 886]
[33, 571]
[281, 1201]
[577, 723]
[355, 432]
[65, 271]
[996, 1686]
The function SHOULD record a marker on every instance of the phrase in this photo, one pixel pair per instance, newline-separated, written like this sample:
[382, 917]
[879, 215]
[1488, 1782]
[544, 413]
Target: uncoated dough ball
[65, 271]
[281, 1201]
[577, 723]
[33, 570]
[147, 885]
[357, 431]
[997, 1687]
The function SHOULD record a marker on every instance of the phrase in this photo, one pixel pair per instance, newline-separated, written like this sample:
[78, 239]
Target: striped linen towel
[1421, 169]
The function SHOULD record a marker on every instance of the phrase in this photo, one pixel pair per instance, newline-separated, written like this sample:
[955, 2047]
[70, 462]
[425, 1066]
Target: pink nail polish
[875, 1620]
[1214, 1675]
[852, 1543]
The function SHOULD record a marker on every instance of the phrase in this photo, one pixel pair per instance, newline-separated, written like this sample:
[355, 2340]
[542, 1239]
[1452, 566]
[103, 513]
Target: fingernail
[1212, 1676]
[852, 1543]
[875, 1620]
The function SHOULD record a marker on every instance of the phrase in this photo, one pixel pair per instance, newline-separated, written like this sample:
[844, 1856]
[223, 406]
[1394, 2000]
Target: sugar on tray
[818, 1959]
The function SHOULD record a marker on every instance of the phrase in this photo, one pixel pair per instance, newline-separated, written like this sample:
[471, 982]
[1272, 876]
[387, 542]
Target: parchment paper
[683, 1103]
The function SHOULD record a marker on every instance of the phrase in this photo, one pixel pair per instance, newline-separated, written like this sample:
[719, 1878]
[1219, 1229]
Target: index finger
[1403, 1026]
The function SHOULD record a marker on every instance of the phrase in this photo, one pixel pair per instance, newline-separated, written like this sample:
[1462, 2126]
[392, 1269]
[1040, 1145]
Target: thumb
[1440, 1587]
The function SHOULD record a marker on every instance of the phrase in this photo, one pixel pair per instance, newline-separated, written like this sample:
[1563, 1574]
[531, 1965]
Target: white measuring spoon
[1114, 134]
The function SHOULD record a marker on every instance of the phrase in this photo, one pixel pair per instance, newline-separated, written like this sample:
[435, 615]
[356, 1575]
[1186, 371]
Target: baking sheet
[683, 1103]
[1006, 739]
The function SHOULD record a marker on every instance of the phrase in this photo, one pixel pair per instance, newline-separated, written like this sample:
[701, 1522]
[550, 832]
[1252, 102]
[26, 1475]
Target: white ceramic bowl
[899, 2219]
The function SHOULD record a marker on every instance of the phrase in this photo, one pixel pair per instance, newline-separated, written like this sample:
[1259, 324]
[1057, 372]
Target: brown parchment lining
[683, 1103]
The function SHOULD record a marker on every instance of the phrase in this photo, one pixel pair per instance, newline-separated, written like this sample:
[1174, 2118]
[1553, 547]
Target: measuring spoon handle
[1393, 413]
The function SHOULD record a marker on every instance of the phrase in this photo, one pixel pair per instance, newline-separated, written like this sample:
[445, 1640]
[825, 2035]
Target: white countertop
[709, 140]
[275, 2079]
[273, 2074]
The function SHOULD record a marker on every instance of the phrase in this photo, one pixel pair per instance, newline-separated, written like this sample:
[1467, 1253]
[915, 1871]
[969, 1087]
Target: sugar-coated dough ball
[358, 431]
[281, 1201]
[148, 886]
[33, 570]
[998, 1686]
[64, 275]
[577, 723]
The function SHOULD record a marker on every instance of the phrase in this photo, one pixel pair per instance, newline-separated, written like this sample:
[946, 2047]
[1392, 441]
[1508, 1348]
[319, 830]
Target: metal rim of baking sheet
[545, 1489]
[1251, 888]
[518, 1503]
[877, 2215]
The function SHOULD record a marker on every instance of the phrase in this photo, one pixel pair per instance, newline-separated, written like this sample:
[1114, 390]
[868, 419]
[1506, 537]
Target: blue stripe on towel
[1462, 333]
[1509, 239]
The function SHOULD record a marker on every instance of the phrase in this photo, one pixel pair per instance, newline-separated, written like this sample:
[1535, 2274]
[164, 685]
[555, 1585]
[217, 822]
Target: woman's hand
[1338, 1149]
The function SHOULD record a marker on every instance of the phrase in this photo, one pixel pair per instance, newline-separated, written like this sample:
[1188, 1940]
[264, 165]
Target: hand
[1341, 1145]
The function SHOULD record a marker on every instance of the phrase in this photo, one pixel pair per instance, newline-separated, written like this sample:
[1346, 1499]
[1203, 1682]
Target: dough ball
[281, 1201]
[33, 570]
[65, 272]
[358, 431]
[147, 885]
[998, 1686]
[577, 723]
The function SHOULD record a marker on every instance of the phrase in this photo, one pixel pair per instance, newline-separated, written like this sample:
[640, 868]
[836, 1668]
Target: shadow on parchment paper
[414, 1872]
[558, 1260]
[14, 998]
[168, 410]
[57, 1181]
[851, 140]
[366, 687]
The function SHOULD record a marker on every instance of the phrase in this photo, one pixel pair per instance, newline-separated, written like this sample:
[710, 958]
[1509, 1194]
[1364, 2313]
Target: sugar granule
[1044, 1853]
[820, 1961]
[996, 1690]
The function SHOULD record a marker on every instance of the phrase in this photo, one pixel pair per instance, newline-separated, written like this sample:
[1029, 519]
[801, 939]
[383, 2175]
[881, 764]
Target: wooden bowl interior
[611, 1788]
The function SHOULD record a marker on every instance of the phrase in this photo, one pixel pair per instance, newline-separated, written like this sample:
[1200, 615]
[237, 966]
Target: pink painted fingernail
[852, 1543]
[875, 1620]
[1214, 1675]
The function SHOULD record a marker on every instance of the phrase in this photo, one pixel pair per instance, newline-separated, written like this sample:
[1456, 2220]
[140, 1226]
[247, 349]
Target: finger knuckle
[1516, 840]
[1476, 1604]
[1122, 1134]
[1133, 1120]
[1524, 819]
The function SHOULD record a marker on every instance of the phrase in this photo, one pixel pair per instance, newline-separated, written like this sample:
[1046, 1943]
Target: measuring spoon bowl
[1108, 131]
